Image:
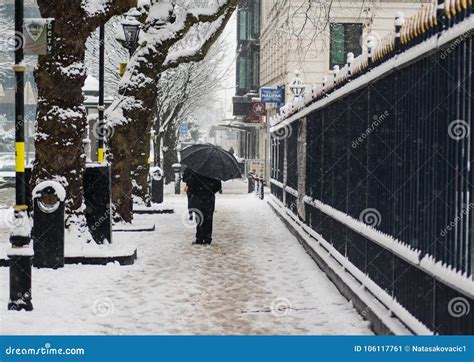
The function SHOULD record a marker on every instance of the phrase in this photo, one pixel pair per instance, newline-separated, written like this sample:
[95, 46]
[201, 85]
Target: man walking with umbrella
[202, 202]
[207, 165]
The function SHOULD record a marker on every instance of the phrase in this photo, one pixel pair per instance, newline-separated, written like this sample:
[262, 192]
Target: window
[243, 25]
[256, 70]
[344, 38]
[243, 73]
[256, 18]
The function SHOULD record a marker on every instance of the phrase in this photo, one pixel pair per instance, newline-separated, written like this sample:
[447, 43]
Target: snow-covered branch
[98, 12]
[199, 51]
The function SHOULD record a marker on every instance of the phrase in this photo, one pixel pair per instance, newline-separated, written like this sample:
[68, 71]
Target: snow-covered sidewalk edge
[114, 250]
[154, 207]
[386, 315]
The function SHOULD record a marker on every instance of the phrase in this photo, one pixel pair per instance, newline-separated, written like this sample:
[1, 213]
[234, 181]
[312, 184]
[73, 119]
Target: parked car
[7, 175]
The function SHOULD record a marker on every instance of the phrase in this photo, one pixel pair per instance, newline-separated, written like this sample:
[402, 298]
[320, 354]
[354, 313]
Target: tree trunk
[170, 153]
[138, 93]
[140, 153]
[121, 178]
[129, 148]
[61, 115]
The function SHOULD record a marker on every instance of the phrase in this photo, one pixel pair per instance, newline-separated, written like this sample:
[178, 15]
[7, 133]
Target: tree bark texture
[61, 116]
[137, 101]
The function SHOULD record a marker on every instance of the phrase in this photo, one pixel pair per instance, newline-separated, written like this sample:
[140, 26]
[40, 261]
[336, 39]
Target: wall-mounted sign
[252, 119]
[183, 129]
[241, 108]
[257, 168]
[258, 109]
[38, 36]
[272, 95]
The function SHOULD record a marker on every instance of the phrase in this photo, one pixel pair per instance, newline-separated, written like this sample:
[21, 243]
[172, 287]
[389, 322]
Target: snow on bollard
[97, 197]
[157, 185]
[48, 225]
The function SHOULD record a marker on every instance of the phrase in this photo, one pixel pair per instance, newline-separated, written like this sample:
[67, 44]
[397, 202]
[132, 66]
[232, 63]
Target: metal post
[251, 186]
[370, 48]
[152, 146]
[101, 107]
[349, 60]
[20, 254]
[122, 69]
[399, 20]
[19, 69]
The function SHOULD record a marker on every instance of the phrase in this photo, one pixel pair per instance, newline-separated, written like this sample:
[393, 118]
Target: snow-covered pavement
[254, 279]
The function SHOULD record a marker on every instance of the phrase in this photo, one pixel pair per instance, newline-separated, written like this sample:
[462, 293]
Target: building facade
[312, 39]
[247, 78]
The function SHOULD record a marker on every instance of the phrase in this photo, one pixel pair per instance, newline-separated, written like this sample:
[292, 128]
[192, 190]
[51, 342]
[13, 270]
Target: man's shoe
[207, 242]
[198, 242]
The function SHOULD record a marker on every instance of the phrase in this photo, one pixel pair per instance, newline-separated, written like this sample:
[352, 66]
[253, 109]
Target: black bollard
[262, 189]
[28, 200]
[97, 195]
[20, 279]
[157, 185]
[251, 185]
[48, 225]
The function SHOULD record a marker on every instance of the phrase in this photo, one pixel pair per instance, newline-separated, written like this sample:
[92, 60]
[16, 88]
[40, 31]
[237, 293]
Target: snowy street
[254, 279]
[240, 171]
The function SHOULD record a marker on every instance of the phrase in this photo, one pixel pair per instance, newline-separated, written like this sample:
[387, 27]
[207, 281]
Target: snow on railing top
[429, 21]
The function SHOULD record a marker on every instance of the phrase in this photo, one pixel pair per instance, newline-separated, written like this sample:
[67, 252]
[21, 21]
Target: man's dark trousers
[204, 228]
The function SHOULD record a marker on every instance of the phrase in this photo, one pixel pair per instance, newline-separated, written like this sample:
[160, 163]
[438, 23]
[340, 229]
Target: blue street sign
[272, 95]
[183, 129]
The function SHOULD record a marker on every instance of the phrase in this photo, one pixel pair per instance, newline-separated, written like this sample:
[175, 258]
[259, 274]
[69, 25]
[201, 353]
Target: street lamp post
[153, 134]
[101, 107]
[297, 86]
[20, 254]
[131, 29]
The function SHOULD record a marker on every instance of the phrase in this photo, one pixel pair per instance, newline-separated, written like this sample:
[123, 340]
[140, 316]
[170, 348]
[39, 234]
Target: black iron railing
[389, 146]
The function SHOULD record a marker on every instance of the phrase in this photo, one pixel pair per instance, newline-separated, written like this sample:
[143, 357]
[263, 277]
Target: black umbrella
[211, 161]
